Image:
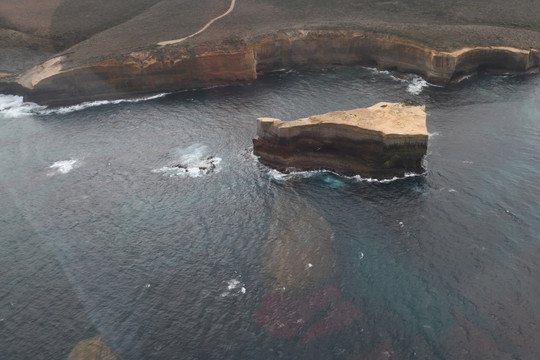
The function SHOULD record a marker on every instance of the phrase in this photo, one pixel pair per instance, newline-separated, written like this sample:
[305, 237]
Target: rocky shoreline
[174, 68]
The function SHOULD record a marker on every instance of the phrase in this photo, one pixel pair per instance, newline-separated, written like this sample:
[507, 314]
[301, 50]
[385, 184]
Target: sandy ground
[387, 118]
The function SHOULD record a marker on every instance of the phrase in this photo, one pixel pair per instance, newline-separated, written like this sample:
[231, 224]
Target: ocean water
[151, 224]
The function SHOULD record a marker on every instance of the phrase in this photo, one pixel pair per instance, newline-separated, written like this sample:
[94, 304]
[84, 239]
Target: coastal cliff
[383, 141]
[172, 68]
[388, 52]
[136, 74]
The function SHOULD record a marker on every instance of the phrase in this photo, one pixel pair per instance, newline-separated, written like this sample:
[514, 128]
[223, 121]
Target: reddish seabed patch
[284, 316]
[336, 320]
[382, 351]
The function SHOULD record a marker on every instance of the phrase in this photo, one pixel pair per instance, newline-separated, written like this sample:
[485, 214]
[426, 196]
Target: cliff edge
[172, 68]
[383, 141]
[68, 51]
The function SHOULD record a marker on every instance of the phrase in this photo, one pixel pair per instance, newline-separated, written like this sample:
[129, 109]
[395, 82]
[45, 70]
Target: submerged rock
[297, 255]
[302, 299]
[93, 349]
[383, 141]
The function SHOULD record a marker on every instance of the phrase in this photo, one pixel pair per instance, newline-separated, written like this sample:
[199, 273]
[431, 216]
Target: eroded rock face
[173, 68]
[136, 74]
[385, 51]
[93, 349]
[382, 141]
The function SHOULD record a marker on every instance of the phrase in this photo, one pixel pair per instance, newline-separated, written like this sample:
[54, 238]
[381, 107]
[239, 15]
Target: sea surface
[151, 224]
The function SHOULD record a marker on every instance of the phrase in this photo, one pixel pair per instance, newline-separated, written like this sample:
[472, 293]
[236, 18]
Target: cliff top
[32, 31]
[385, 118]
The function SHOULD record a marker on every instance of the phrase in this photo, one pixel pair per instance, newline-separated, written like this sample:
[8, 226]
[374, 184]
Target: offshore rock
[383, 141]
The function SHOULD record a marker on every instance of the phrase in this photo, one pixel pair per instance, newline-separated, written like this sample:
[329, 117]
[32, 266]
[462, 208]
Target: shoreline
[175, 68]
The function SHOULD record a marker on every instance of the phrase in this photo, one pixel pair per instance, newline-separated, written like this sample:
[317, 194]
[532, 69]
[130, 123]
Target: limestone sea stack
[383, 141]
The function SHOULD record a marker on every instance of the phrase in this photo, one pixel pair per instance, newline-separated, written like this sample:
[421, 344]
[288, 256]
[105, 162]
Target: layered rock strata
[173, 68]
[383, 141]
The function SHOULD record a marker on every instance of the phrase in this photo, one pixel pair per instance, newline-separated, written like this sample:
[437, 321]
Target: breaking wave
[279, 176]
[416, 85]
[15, 106]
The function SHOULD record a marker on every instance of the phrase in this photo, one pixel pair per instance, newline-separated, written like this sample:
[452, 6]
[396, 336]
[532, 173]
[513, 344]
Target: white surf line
[170, 42]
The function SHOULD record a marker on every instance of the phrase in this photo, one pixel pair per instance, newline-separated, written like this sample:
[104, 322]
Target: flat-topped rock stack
[383, 141]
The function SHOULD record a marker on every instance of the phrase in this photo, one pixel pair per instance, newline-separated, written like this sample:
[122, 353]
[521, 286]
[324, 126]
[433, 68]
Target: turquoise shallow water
[101, 234]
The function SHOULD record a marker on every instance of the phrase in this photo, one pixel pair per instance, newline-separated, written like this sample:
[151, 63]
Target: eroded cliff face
[383, 141]
[140, 73]
[323, 48]
[175, 68]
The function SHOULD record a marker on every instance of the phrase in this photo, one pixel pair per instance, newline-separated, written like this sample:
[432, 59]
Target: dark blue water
[100, 233]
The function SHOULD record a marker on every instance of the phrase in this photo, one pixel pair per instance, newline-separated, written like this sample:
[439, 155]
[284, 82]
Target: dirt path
[170, 42]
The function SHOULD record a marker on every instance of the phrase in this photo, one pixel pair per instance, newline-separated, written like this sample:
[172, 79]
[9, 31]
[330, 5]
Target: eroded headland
[67, 51]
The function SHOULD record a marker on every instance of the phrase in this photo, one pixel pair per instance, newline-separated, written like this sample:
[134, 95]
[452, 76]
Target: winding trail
[170, 42]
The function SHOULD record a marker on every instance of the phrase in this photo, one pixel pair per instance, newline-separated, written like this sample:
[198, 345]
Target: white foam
[14, 106]
[466, 77]
[385, 181]
[90, 104]
[233, 284]
[192, 161]
[279, 176]
[416, 85]
[415, 82]
[234, 287]
[377, 71]
[433, 134]
[64, 166]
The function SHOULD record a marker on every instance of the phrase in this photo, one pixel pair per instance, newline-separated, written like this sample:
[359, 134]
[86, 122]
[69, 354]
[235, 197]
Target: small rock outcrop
[383, 141]
[93, 349]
